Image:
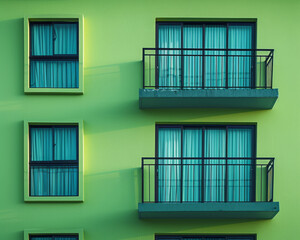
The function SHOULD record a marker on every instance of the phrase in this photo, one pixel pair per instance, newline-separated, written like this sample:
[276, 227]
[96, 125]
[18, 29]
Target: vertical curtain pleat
[192, 168]
[240, 64]
[54, 180]
[192, 72]
[54, 74]
[215, 61]
[65, 140]
[214, 169]
[46, 41]
[65, 38]
[169, 67]
[169, 170]
[41, 144]
[41, 39]
[239, 171]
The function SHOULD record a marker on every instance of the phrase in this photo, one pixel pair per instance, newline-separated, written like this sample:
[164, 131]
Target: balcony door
[205, 164]
[205, 67]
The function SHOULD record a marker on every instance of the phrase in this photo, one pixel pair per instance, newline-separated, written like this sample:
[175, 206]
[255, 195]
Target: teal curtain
[239, 68]
[169, 67]
[240, 179]
[54, 145]
[192, 168]
[215, 61]
[238, 65]
[214, 169]
[169, 170]
[187, 179]
[52, 40]
[192, 72]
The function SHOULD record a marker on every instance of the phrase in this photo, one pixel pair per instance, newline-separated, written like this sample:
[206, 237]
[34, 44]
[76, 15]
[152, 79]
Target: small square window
[67, 234]
[53, 165]
[53, 55]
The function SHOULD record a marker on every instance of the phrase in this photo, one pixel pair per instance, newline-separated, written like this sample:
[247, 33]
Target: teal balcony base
[208, 98]
[241, 210]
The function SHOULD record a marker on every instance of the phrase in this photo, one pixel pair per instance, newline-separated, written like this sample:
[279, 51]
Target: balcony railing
[189, 68]
[207, 179]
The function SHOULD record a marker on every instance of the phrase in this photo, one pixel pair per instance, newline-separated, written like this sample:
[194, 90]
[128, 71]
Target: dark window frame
[53, 57]
[204, 237]
[54, 163]
[53, 236]
[204, 24]
[204, 126]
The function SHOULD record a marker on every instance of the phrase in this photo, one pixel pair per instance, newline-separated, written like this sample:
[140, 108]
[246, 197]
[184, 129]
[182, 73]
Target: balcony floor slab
[208, 98]
[230, 210]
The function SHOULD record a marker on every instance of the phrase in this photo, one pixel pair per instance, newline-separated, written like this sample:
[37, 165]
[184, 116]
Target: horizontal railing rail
[207, 179]
[197, 68]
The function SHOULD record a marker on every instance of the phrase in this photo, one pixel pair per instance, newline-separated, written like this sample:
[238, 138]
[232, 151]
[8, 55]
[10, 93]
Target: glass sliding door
[205, 67]
[205, 164]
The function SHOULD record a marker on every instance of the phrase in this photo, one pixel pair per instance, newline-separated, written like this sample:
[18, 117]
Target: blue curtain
[52, 40]
[240, 180]
[214, 169]
[192, 72]
[54, 145]
[192, 168]
[169, 67]
[215, 61]
[239, 68]
[169, 170]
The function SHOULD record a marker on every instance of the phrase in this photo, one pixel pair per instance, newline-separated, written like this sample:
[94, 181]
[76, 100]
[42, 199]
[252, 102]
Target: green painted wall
[117, 133]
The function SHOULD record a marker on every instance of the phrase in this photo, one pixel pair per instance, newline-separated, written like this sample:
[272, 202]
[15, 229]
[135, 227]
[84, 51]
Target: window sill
[67, 91]
[53, 199]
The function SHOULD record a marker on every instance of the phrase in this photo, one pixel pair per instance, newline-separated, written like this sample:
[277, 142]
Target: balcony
[210, 78]
[203, 188]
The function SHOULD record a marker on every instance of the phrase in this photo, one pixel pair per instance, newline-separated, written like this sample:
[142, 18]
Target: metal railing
[207, 179]
[190, 68]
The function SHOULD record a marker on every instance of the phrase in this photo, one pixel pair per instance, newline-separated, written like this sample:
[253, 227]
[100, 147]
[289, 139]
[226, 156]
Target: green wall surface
[117, 133]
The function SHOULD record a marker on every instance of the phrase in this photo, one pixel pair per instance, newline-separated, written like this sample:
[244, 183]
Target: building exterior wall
[117, 133]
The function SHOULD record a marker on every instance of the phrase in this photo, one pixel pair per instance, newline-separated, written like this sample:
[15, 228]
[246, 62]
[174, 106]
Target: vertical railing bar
[261, 179]
[149, 173]
[149, 69]
[142, 180]
[143, 68]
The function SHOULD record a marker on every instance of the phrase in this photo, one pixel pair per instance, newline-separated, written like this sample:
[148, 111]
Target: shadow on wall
[12, 57]
[117, 104]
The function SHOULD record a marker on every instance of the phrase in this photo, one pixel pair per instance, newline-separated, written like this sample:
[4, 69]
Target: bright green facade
[117, 133]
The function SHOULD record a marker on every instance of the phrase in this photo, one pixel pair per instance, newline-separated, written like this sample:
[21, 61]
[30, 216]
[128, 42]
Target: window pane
[169, 169]
[192, 168]
[41, 39]
[65, 140]
[169, 66]
[215, 61]
[41, 144]
[214, 169]
[54, 74]
[54, 181]
[192, 72]
[240, 62]
[65, 36]
[240, 144]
